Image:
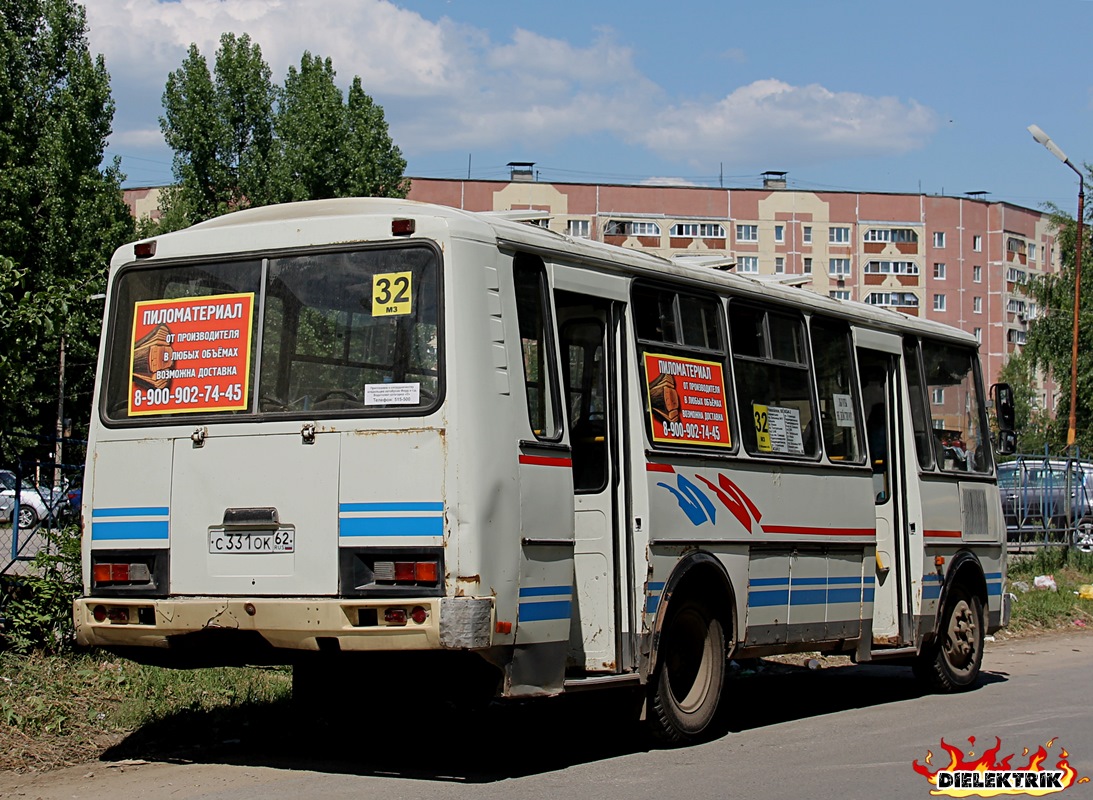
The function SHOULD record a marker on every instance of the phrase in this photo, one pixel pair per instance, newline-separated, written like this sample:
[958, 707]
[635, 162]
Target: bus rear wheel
[686, 689]
[951, 662]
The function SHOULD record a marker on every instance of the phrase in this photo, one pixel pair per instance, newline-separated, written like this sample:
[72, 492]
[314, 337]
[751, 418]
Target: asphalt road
[836, 732]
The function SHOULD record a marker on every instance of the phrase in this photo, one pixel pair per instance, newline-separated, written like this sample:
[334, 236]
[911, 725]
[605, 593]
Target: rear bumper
[289, 624]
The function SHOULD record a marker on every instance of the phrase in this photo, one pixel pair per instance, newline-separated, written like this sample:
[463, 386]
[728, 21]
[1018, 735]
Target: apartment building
[961, 260]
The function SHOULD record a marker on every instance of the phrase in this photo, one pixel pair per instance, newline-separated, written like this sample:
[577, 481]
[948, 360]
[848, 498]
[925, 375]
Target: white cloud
[447, 86]
[772, 119]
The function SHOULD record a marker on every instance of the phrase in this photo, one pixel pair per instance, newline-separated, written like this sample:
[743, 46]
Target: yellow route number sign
[762, 428]
[392, 294]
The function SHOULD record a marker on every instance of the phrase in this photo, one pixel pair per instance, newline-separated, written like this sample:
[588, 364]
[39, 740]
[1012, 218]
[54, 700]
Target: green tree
[311, 129]
[61, 214]
[330, 146]
[1050, 336]
[240, 141]
[220, 126]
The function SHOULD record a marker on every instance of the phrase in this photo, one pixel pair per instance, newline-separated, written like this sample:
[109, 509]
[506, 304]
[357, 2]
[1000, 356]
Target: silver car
[32, 503]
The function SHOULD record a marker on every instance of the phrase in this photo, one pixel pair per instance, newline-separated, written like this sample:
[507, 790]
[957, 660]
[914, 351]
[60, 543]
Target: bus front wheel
[951, 662]
[686, 690]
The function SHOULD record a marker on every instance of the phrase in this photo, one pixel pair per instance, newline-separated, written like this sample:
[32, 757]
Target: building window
[1015, 336]
[978, 335]
[1014, 275]
[939, 238]
[698, 230]
[1015, 306]
[808, 266]
[1016, 246]
[779, 264]
[939, 302]
[977, 243]
[806, 234]
[896, 299]
[891, 267]
[747, 233]
[616, 227]
[977, 274]
[747, 264]
[901, 235]
[779, 233]
[1031, 251]
[937, 397]
[839, 294]
[838, 235]
[977, 305]
[939, 271]
[578, 228]
[839, 266]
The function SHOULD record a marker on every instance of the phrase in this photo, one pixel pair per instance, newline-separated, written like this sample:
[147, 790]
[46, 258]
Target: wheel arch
[696, 574]
[964, 570]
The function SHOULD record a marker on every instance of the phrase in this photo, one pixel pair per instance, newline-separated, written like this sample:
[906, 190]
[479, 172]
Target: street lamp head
[1041, 137]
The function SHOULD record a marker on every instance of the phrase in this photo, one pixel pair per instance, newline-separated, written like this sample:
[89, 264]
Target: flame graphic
[989, 762]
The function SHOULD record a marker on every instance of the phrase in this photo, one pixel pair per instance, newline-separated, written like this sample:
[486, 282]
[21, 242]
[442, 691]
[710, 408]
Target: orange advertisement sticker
[687, 400]
[191, 355]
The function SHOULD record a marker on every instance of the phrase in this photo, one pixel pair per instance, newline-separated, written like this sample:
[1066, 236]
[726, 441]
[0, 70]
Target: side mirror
[1002, 395]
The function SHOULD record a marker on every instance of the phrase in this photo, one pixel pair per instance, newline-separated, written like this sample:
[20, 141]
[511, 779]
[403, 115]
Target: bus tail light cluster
[399, 616]
[107, 574]
[406, 572]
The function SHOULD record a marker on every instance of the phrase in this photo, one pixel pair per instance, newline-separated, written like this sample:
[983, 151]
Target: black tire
[686, 689]
[28, 517]
[952, 660]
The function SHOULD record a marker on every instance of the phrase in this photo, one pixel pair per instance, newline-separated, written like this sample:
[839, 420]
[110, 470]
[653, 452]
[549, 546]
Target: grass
[1038, 610]
[57, 710]
[65, 709]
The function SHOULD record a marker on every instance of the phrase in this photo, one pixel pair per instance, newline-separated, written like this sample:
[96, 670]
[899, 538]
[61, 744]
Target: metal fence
[1047, 502]
[45, 499]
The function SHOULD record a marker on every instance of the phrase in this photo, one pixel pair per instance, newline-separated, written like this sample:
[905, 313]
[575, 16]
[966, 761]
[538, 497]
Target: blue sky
[873, 96]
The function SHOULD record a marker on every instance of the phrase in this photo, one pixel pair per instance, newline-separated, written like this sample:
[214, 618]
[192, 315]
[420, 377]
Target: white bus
[448, 445]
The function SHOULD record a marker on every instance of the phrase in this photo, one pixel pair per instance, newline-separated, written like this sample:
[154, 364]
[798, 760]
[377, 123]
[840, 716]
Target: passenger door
[885, 436]
[589, 341]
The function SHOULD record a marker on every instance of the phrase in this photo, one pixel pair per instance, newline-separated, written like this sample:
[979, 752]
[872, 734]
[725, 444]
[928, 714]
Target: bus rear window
[312, 334]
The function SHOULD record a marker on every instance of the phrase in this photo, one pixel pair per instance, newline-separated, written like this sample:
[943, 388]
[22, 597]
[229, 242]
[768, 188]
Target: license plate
[222, 542]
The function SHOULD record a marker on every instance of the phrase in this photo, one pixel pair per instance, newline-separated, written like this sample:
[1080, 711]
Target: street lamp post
[1053, 148]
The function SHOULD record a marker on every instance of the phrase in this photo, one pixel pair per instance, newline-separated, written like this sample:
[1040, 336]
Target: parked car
[1048, 500]
[35, 502]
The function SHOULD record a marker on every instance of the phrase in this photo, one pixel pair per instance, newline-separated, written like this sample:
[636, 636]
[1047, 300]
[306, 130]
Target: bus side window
[773, 385]
[533, 314]
[831, 354]
[919, 417]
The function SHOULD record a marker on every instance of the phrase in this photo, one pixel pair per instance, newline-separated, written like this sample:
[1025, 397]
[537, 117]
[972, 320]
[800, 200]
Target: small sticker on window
[391, 294]
[392, 394]
[844, 410]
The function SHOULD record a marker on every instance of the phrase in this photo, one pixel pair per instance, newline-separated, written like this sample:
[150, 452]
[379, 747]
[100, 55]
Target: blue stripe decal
[655, 586]
[391, 526]
[138, 529]
[808, 597]
[545, 591]
[845, 595]
[158, 511]
[820, 591]
[350, 508]
[538, 612]
[774, 597]
[652, 603]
